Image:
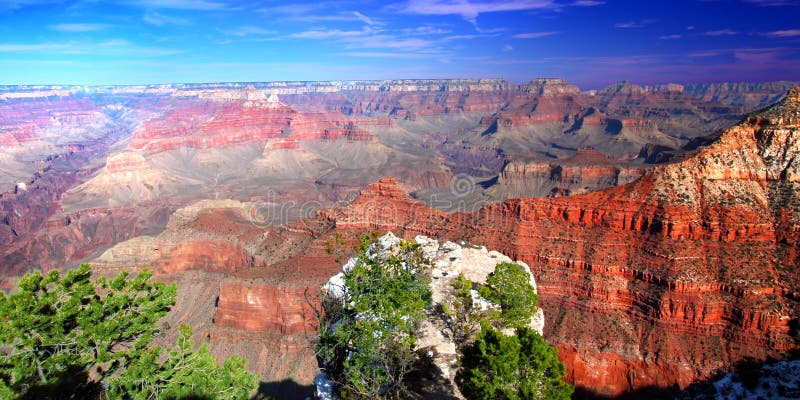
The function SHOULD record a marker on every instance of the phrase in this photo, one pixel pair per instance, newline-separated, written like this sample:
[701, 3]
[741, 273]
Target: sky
[590, 43]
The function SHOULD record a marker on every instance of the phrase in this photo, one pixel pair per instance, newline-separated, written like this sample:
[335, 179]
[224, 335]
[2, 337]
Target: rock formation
[661, 281]
[448, 260]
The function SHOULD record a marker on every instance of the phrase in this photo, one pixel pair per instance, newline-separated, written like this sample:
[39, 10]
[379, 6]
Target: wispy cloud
[784, 33]
[721, 32]
[468, 36]
[32, 47]
[10, 5]
[295, 8]
[200, 5]
[426, 30]
[587, 3]
[248, 31]
[317, 12]
[773, 3]
[363, 18]
[154, 18]
[82, 27]
[470, 10]
[113, 47]
[706, 53]
[489, 30]
[508, 47]
[327, 34]
[670, 37]
[633, 24]
[389, 42]
[534, 35]
[385, 54]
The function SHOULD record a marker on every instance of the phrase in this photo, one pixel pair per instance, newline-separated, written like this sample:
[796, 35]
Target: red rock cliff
[660, 282]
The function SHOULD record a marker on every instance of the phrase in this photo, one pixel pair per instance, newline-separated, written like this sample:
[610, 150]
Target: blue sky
[591, 43]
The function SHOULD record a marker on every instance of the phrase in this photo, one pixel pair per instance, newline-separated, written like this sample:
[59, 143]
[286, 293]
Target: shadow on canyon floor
[650, 393]
[286, 389]
[749, 371]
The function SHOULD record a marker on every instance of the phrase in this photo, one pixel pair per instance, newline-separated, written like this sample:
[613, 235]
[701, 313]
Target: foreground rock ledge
[448, 261]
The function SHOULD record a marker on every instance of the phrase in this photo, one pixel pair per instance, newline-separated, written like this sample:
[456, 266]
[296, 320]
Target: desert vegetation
[73, 337]
[371, 319]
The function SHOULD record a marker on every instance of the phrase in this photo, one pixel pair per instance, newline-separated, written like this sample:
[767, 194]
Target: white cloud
[508, 47]
[470, 10]
[82, 27]
[157, 19]
[118, 47]
[721, 32]
[784, 33]
[200, 5]
[466, 37]
[670, 37]
[32, 47]
[587, 3]
[316, 12]
[10, 5]
[534, 35]
[248, 31]
[364, 18]
[707, 53]
[426, 30]
[388, 42]
[633, 24]
[773, 3]
[489, 30]
[385, 54]
[328, 33]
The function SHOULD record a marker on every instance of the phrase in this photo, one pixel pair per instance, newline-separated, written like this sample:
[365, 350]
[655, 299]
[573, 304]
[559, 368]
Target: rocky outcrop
[448, 260]
[34, 130]
[750, 95]
[245, 118]
[780, 380]
[689, 266]
[587, 171]
[669, 279]
[261, 306]
[127, 178]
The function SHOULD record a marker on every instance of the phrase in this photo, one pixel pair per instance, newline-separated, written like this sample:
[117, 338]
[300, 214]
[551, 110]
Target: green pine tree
[509, 286]
[72, 337]
[368, 339]
[182, 373]
[519, 367]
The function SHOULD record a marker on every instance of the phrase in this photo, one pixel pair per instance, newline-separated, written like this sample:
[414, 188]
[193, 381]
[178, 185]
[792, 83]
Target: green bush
[509, 286]
[368, 339]
[464, 320]
[518, 367]
[71, 337]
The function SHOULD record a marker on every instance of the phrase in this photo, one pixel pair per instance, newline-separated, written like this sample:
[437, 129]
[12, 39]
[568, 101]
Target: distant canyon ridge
[660, 222]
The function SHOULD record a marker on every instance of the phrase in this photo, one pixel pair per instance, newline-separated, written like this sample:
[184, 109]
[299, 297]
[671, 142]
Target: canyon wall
[660, 281]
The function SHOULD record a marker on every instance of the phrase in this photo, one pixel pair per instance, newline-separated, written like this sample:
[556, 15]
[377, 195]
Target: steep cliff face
[660, 282]
[750, 95]
[35, 130]
[587, 171]
[229, 121]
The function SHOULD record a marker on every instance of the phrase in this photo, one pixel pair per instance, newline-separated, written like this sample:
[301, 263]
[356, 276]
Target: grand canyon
[660, 222]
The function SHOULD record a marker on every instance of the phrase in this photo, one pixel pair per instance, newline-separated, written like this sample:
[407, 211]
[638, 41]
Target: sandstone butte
[219, 124]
